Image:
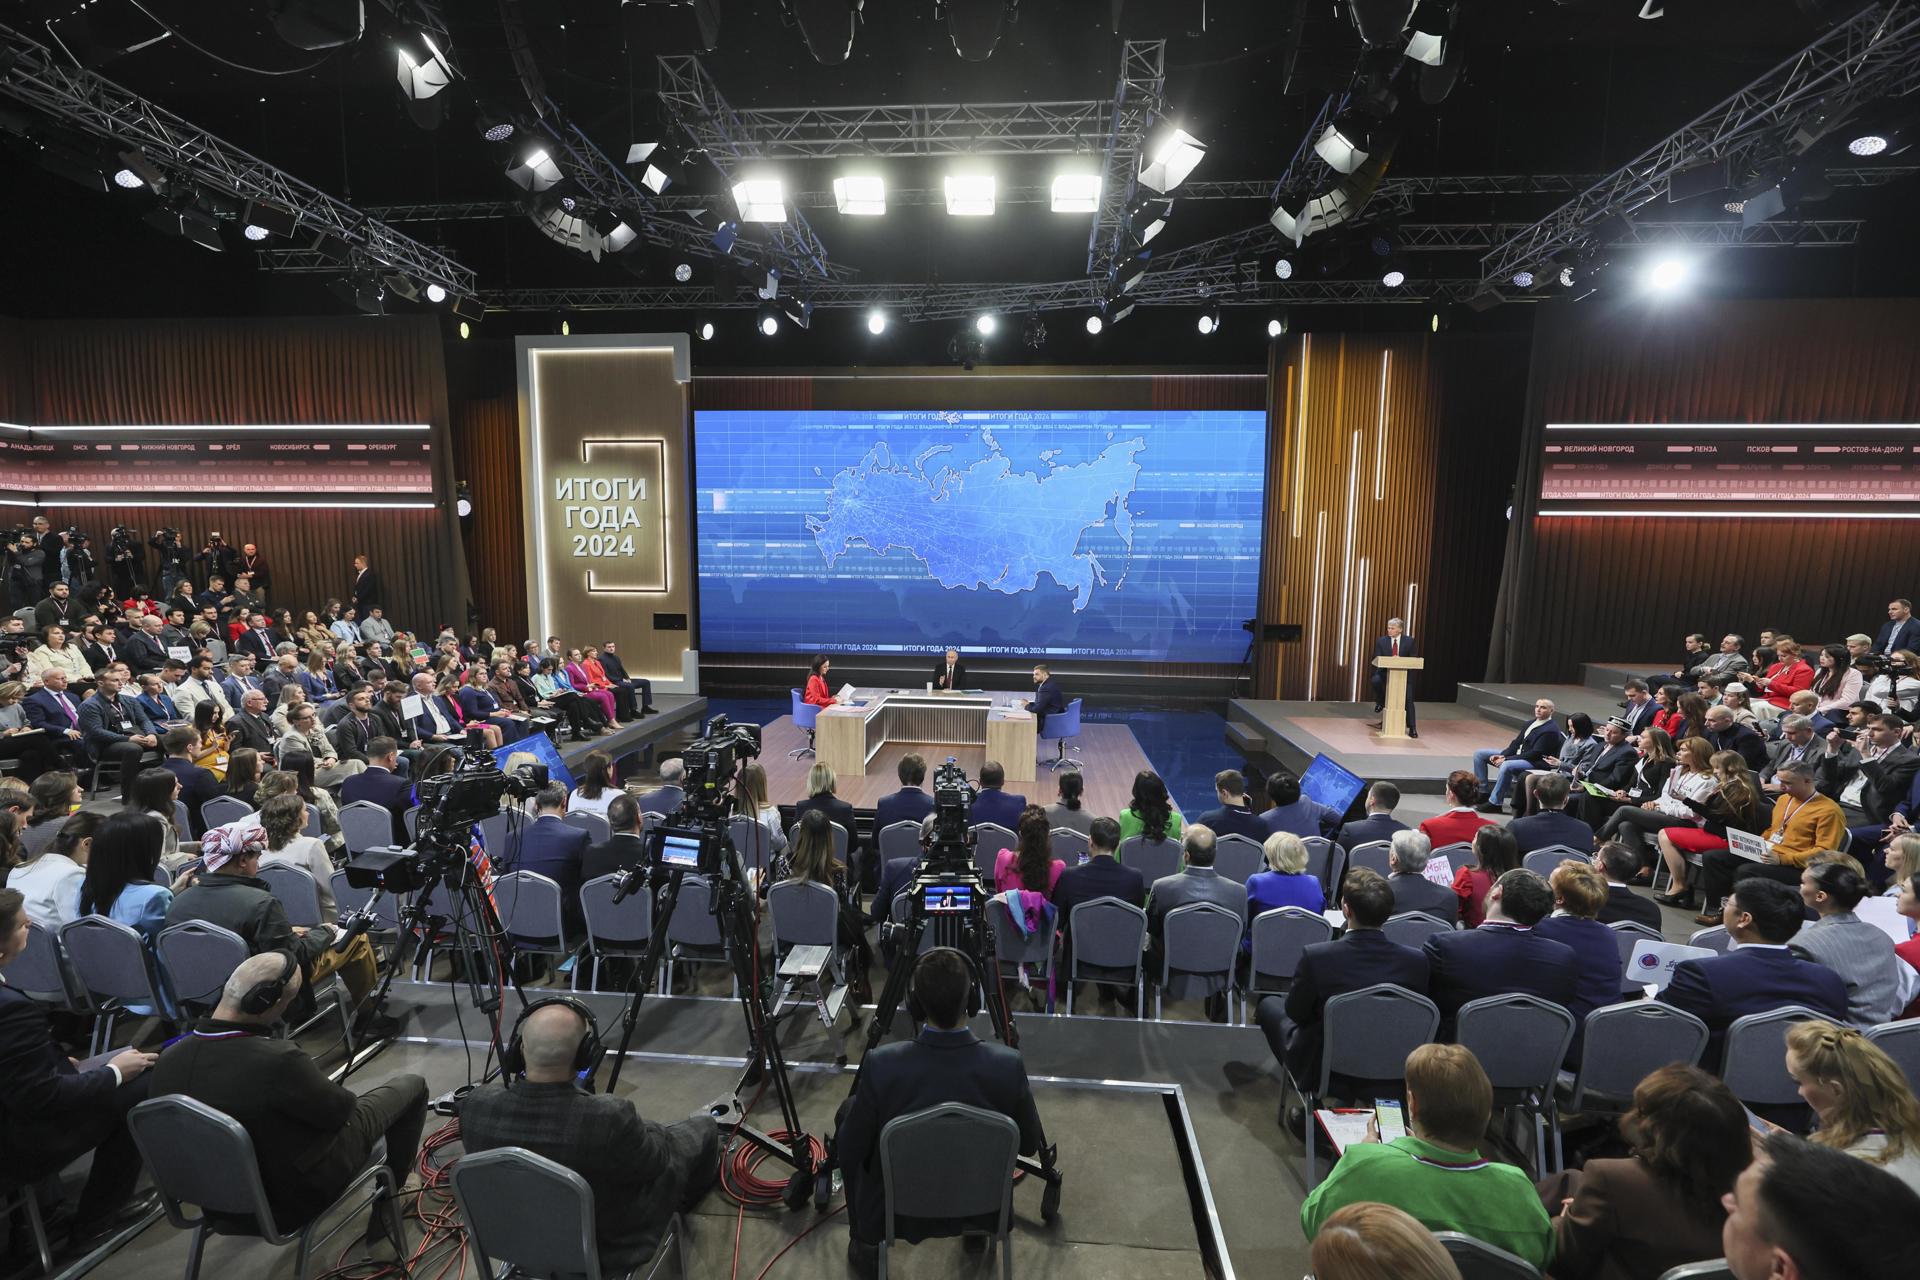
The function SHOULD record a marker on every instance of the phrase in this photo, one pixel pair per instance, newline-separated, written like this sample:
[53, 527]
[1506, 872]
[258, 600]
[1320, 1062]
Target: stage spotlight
[127, 180]
[977, 25]
[1173, 154]
[1523, 279]
[876, 322]
[1668, 274]
[253, 233]
[760, 200]
[827, 26]
[1566, 277]
[1283, 269]
[705, 331]
[768, 322]
[493, 124]
[652, 177]
[1209, 323]
[1427, 32]
[466, 331]
[318, 24]
[138, 172]
[1094, 325]
[1868, 144]
[1346, 143]
[683, 272]
[860, 195]
[1393, 278]
[970, 195]
[1148, 219]
[1076, 193]
[798, 312]
[436, 293]
[566, 327]
[986, 324]
[1276, 328]
[462, 499]
[1433, 322]
[535, 170]
[267, 220]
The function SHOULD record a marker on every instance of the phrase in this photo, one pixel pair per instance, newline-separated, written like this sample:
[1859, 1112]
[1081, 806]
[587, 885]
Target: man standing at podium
[1394, 645]
[950, 673]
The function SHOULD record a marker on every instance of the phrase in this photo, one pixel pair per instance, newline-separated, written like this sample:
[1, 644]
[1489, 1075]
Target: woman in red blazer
[1787, 676]
[817, 692]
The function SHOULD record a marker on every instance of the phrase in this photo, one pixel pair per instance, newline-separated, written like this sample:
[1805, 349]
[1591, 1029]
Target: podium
[1394, 723]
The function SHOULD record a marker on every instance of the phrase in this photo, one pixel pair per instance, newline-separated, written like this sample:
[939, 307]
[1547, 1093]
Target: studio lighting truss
[650, 175]
[969, 195]
[862, 195]
[1172, 154]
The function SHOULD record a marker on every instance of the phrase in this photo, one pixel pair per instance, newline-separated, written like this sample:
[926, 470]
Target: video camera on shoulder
[712, 760]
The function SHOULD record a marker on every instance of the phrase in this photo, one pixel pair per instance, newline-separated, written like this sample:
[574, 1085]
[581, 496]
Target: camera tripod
[732, 908]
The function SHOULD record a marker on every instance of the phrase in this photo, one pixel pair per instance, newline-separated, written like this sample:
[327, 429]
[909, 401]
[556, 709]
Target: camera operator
[946, 1062]
[217, 557]
[173, 559]
[25, 569]
[126, 561]
[76, 559]
[1893, 681]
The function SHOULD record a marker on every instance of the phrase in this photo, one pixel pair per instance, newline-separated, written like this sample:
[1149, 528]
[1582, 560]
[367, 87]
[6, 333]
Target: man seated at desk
[950, 673]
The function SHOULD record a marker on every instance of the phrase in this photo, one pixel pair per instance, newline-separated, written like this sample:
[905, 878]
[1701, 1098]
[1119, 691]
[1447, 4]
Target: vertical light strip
[1413, 595]
[1380, 433]
[1313, 634]
[1346, 568]
[539, 497]
[1300, 449]
[1359, 629]
[1286, 447]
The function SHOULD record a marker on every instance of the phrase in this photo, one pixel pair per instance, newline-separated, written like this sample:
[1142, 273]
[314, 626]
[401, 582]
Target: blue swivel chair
[804, 714]
[1061, 726]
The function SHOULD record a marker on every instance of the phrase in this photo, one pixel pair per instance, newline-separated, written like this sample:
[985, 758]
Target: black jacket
[1888, 778]
[1751, 746]
[197, 786]
[245, 905]
[388, 790]
[1624, 904]
[49, 1110]
[1363, 958]
[1099, 877]
[939, 675]
[1368, 830]
[623, 850]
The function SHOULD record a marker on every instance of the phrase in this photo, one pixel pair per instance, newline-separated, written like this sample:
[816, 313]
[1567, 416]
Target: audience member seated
[911, 803]
[1100, 876]
[117, 731]
[119, 883]
[1552, 824]
[1579, 891]
[1494, 854]
[1797, 744]
[55, 797]
[53, 1112]
[821, 783]
[811, 860]
[250, 727]
[1530, 747]
[1379, 824]
[1151, 813]
[1032, 865]
[1863, 1103]
[230, 893]
[1068, 812]
[1285, 882]
[1804, 823]
[1653, 762]
[1619, 864]
[1288, 810]
[311, 1136]
[1758, 975]
[1735, 803]
[1436, 1172]
[155, 791]
[1788, 675]
[1576, 755]
[1369, 1241]
[1859, 952]
[283, 820]
[1361, 957]
[1727, 733]
[1457, 824]
[382, 784]
[549, 847]
[1688, 784]
[1803, 1212]
[608, 659]
[304, 735]
[1504, 954]
[945, 1062]
[197, 785]
[50, 881]
[1196, 881]
[1408, 883]
[623, 848]
[1661, 1204]
[1870, 781]
[597, 786]
[667, 798]
[1235, 816]
[769, 834]
[1002, 808]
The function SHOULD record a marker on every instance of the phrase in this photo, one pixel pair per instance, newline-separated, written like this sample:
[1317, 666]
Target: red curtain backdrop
[294, 371]
[1626, 590]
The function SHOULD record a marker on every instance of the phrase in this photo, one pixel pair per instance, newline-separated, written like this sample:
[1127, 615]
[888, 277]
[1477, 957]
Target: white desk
[847, 737]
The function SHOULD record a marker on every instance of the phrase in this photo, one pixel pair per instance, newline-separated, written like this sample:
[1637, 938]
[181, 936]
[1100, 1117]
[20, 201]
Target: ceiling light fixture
[1276, 327]
[1209, 323]
[861, 195]
[760, 200]
[1076, 193]
[1283, 269]
[769, 322]
[436, 293]
[1868, 144]
[1523, 279]
[876, 322]
[683, 272]
[535, 171]
[1094, 325]
[986, 324]
[1393, 278]
[1669, 274]
[1148, 219]
[1427, 32]
[1345, 144]
[1172, 155]
[970, 195]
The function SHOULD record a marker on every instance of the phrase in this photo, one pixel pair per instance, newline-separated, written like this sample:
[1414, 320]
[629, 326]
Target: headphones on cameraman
[586, 1056]
[918, 1011]
[262, 996]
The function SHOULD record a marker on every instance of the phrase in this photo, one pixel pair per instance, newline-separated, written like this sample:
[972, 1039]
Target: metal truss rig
[1136, 101]
[1873, 55]
[98, 106]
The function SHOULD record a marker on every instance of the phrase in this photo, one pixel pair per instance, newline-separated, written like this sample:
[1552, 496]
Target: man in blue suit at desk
[1760, 974]
[1047, 700]
[1394, 644]
[1528, 750]
[554, 849]
[909, 803]
[993, 804]
[1504, 955]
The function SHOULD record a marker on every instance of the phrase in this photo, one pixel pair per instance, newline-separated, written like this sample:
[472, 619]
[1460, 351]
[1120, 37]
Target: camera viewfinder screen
[680, 851]
[948, 898]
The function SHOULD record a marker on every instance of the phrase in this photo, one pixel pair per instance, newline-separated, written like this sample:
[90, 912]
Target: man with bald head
[312, 1137]
[641, 1173]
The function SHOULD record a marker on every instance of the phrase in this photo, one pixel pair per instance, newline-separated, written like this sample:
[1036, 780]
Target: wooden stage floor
[1110, 756]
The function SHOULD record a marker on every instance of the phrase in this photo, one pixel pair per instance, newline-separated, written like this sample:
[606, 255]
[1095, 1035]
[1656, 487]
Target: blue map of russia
[987, 525]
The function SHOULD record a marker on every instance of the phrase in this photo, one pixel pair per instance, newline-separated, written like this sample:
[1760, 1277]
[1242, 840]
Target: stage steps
[1609, 676]
[1512, 704]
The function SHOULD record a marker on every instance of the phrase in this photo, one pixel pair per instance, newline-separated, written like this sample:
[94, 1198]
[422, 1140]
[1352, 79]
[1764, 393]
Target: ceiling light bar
[970, 195]
[860, 195]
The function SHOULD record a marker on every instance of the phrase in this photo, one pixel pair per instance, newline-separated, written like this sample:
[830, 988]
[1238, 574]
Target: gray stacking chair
[1520, 1040]
[613, 928]
[110, 962]
[1622, 1045]
[1326, 862]
[1366, 1035]
[1479, 1260]
[536, 1217]
[1543, 862]
[41, 971]
[1068, 845]
[1413, 928]
[950, 1161]
[597, 828]
[1200, 946]
[1901, 1042]
[805, 914]
[297, 892]
[1373, 855]
[1238, 857]
[989, 838]
[1754, 1065]
[899, 840]
[1279, 938]
[1711, 1269]
[1153, 859]
[532, 912]
[500, 833]
[1013, 949]
[694, 933]
[223, 811]
[411, 821]
[1626, 934]
[1458, 854]
[1713, 937]
[841, 840]
[750, 838]
[1109, 942]
[196, 959]
[365, 825]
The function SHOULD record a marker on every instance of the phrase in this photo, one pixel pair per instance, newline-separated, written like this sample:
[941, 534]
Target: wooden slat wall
[486, 454]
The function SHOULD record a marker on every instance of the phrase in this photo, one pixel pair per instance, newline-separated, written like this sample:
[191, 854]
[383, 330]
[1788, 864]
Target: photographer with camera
[76, 559]
[1869, 772]
[1893, 681]
[218, 558]
[173, 559]
[126, 561]
[945, 1062]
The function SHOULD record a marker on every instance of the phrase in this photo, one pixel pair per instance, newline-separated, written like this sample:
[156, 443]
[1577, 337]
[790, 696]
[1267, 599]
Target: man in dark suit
[311, 1136]
[1529, 749]
[1407, 881]
[145, 649]
[239, 678]
[52, 708]
[438, 721]
[1361, 958]
[909, 803]
[668, 796]
[1900, 631]
[1197, 881]
[56, 610]
[1553, 824]
[1047, 700]
[1729, 734]
[1639, 709]
[249, 725]
[366, 587]
[554, 849]
[641, 1173]
[1619, 865]
[994, 805]
[102, 648]
[1503, 955]
[950, 672]
[381, 784]
[53, 1112]
[1394, 644]
[617, 673]
[946, 1062]
[1379, 824]
[197, 785]
[623, 849]
[1100, 876]
[353, 729]
[117, 729]
[257, 641]
[1869, 776]
[1234, 817]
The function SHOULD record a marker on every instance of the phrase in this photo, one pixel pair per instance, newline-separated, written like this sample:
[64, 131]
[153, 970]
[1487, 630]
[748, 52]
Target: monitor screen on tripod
[680, 851]
[944, 899]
